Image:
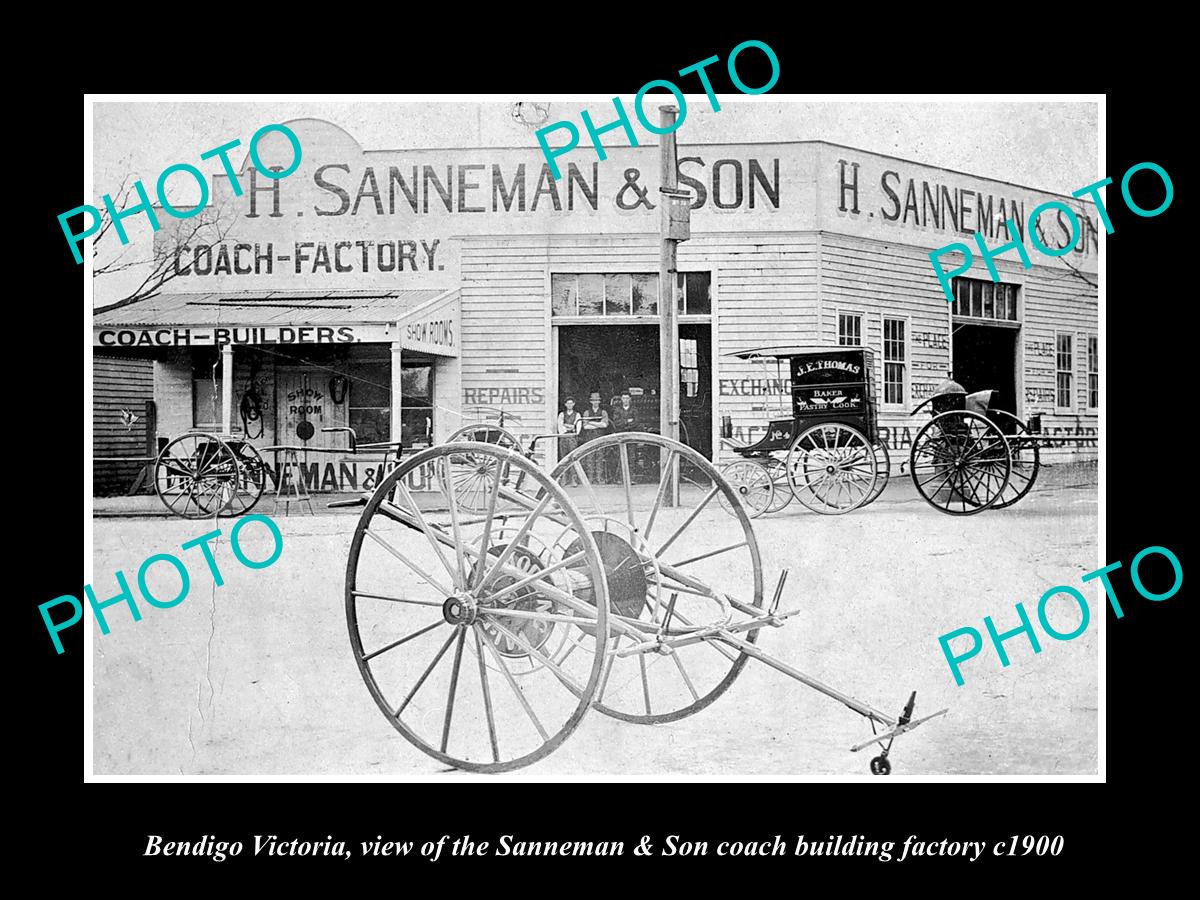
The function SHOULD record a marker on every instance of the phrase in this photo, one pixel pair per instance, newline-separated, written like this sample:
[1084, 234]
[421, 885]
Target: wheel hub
[460, 610]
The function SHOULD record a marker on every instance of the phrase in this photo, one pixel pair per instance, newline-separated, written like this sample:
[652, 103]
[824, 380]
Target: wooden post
[668, 323]
[397, 391]
[227, 388]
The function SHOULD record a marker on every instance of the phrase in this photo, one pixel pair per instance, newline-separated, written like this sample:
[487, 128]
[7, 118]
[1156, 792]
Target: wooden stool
[290, 471]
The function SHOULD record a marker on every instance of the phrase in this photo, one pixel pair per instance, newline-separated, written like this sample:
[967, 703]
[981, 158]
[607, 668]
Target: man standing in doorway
[595, 424]
[625, 418]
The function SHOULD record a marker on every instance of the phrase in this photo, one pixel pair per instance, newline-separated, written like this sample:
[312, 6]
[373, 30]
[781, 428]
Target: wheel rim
[195, 475]
[782, 495]
[435, 633]
[251, 479]
[688, 551]
[752, 485]
[1026, 458]
[960, 462]
[473, 473]
[832, 468]
[883, 470]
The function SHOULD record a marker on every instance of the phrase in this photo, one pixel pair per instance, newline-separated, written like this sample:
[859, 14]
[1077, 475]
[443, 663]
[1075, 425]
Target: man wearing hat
[595, 424]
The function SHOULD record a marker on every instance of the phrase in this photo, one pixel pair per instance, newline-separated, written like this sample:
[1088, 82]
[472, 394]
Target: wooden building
[407, 292]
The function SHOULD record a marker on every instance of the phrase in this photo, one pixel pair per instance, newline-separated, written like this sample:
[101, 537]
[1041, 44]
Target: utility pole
[675, 227]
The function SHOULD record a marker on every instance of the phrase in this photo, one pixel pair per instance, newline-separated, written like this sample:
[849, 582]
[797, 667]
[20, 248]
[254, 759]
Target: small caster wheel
[881, 766]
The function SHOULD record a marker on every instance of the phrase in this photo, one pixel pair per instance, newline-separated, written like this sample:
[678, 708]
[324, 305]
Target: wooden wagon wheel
[883, 469]
[782, 495]
[960, 462]
[832, 468]
[1026, 459]
[196, 475]
[752, 482]
[472, 474]
[426, 577]
[683, 550]
[251, 480]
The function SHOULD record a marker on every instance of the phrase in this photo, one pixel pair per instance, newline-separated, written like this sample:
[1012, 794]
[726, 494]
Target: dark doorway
[609, 359]
[985, 358]
[612, 358]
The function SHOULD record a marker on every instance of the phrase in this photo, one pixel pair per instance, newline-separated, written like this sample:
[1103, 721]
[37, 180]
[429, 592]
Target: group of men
[595, 422]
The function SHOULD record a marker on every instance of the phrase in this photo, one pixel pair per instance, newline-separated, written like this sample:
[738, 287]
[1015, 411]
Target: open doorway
[610, 359]
[985, 358]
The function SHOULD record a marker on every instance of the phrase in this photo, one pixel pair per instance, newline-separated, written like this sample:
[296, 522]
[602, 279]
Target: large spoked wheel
[1026, 457]
[459, 622]
[753, 485]
[883, 469]
[251, 480]
[472, 473]
[960, 462]
[196, 475]
[657, 548]
[832, 468]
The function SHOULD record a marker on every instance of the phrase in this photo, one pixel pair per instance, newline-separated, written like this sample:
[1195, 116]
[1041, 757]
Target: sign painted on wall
[920, 204]
[194, 336]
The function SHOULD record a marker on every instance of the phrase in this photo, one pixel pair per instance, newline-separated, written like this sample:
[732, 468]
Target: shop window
[694, 290]
[1064, 363]
[894, 361]
[1093, 370]
[645, 295]
[849, 330]
[206, 393]
[370, 403]
[416, 412]
[984, 299]
[625, 294]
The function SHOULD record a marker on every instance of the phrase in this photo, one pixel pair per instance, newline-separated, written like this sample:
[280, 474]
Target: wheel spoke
[538, 575]
[665, 478]
[487, 695]
[462, 635]
[682, 528]
[458, 543]
[426, 673]
[424, 527]
[688, 562]
[645, 682]
[545, 660]
[404, 640]
[425, 576]
[682, 671]
[512, 682]
[517, 538]
[485, 541]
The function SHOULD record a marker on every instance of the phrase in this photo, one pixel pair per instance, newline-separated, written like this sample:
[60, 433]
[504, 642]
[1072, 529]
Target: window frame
[683, 315]
[1016, 286]
[1069, 372]
[854, 313]
[906, 403]
[1092, 340]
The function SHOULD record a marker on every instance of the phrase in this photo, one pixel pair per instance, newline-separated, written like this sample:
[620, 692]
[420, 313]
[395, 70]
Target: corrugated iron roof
[265, 308]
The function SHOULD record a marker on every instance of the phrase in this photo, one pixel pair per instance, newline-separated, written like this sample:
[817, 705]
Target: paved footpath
[257, 677]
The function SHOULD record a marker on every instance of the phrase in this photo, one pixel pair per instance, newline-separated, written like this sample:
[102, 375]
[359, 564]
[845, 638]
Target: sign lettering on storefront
[217, 337]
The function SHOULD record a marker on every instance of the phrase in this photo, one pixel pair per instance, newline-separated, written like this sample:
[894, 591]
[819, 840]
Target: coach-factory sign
[214, 336]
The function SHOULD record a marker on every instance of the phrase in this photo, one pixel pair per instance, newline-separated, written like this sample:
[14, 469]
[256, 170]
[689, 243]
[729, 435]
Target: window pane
[415, 381]
[591, 295]
[563, 293]
[1064, 389]
[989, 308]
[976, 299]
[893, 383]
[699, 293]
[616, 295]
[958, 292]
[645, 295]
[680, 291]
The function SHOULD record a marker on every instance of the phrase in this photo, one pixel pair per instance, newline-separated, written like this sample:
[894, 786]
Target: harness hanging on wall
[251, 403]
[337, 388]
